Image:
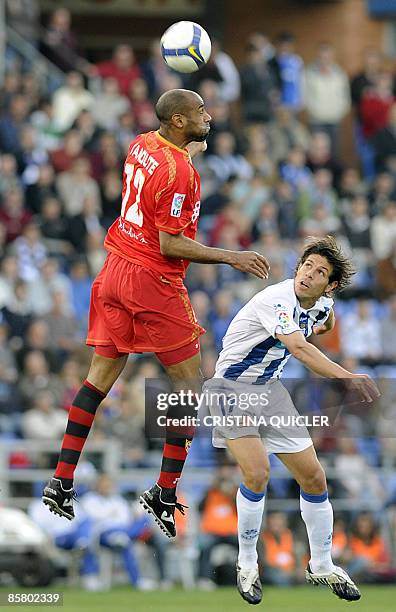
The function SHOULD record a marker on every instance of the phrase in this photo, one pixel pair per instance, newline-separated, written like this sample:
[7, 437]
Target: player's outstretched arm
[178, 245]
[316, 361]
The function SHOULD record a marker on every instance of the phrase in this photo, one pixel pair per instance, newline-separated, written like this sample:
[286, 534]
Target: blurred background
[303, 142]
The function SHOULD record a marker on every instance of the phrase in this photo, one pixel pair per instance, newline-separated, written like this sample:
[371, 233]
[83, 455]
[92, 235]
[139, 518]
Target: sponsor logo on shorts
[177, 204]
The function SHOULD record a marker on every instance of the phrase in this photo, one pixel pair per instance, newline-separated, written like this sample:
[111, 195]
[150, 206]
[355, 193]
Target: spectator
[294, 170]
[383, 231]
[89, 132]
[53, 226]
[359, 480]
[8, 278]
[9, 178]
[386, 274]
[127, 423]
[42, 119]
[388, 326]
[224, 309]
[75, 185]
[17, 312]
[30, 251]
[69, 100]
[85, 223]
[110, 192]
[63, 158]
[289, 69]
[258, 153]
[59, 44]
[37, 338]
[122, 67]
[327, 96]
[279, 557]
[375, 105]
[110, 104]
[31, 156]
[267, 220]
[95, 253]
[225, 161]
[11, 124]
[356, 223]
[320, 190]
[258, 88]
[62, 328]
[51, 280]
[366, 78]
[218, 521]
[111, 523]
[36, 377]
[44, 421]
[384, 141]
[80, 290]
[13, 214]
[286, 131]
[361, 332]
[383, 190]
[142, 107]
[43, 187]
[319, 221]
[320, 155]
[371, 558]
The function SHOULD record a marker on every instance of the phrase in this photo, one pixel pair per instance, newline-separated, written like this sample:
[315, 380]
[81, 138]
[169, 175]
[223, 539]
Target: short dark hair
[173, 102]
[327, 247]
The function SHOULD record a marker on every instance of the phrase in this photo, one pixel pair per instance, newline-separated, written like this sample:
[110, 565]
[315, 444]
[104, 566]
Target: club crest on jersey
[177, 204]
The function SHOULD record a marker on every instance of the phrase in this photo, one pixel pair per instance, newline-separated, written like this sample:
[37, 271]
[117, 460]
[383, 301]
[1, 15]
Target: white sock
[317, 514]
[250, 507]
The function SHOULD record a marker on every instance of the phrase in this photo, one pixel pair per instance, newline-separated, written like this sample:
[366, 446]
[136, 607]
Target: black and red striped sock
[174, 456]
[81, 415]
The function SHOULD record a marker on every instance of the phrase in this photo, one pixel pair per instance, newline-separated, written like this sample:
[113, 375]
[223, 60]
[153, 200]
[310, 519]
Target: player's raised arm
[316, 361]
[178, 245]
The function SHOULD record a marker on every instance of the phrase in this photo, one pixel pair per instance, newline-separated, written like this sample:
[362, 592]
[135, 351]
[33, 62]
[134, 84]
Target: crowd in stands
[273, 174]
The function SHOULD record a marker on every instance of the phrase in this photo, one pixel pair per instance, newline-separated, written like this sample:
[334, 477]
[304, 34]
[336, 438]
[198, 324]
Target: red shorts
[137, 310]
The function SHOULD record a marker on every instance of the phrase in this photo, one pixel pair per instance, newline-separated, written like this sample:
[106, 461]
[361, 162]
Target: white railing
[110, 453]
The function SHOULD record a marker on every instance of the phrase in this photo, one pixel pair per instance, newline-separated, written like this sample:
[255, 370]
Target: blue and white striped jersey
[251, 352]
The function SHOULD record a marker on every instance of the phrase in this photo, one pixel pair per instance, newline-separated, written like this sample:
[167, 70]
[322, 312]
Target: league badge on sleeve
[177, 204]
[283, 317]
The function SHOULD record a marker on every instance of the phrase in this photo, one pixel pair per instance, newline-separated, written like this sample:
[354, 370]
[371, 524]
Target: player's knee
[314, 481]
[256, 477]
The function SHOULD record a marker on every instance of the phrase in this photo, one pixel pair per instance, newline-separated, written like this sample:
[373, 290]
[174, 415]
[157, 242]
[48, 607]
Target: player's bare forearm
[185, 248]
[316, 361]
[180, 246]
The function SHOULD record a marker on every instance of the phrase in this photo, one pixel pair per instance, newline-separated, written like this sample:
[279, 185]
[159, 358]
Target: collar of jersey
[170, 144]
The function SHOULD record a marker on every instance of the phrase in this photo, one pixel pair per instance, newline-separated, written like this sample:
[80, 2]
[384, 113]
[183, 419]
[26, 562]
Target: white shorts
[240, 410]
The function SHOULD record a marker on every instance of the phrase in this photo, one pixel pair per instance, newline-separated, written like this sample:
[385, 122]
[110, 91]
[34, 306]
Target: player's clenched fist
[252, 262]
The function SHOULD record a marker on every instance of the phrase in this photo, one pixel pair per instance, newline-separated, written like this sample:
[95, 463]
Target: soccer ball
[185, 46]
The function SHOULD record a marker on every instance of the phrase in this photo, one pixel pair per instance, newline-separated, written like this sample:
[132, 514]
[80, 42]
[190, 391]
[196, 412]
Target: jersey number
[133, 214]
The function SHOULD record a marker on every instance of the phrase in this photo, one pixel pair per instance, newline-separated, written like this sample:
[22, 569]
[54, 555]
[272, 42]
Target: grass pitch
[294, 599]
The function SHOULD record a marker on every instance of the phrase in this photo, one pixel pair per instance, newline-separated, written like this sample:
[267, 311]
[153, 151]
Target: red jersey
[161, 191]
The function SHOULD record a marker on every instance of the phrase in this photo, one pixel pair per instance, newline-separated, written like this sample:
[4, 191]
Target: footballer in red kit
[161, 191]
[138, 300]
